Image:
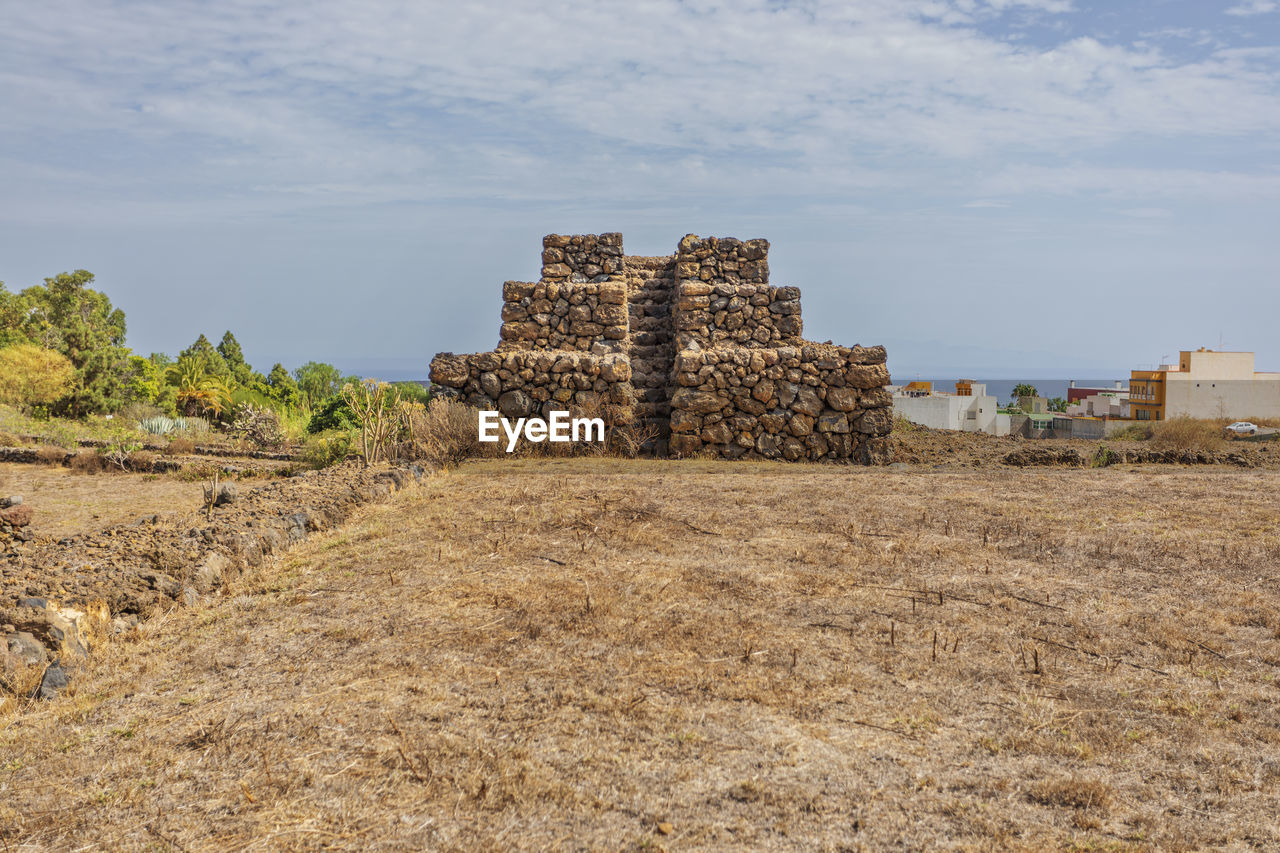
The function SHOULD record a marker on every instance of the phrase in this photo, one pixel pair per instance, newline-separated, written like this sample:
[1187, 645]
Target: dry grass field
[66, 502]
[601, 654]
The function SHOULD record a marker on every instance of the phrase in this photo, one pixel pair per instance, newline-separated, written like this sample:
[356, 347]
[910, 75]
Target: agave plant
[192, 425]
[158, 425]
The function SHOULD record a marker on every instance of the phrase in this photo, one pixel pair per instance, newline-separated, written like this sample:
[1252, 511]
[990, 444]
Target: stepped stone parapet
[696, 347]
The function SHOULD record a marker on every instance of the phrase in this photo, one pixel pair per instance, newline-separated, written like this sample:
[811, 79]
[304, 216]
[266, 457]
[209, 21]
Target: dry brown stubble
[606, 654]
[66, 502]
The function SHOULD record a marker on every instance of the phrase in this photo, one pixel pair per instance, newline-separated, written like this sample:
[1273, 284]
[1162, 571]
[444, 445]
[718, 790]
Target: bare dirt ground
[922, 446]
[66, 502]
[601, 654]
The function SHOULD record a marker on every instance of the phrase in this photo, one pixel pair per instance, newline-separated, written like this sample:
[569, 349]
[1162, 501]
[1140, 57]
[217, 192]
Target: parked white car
[1243, 428]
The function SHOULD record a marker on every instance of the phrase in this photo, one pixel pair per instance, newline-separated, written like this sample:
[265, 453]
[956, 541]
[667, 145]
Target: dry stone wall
[537, 382]
[563, 315]
[697, 347]
[581, 257]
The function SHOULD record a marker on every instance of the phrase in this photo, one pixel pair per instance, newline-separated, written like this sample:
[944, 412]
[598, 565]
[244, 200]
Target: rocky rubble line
[198, 450]
[161, 465]
[1106, 456]
[59, 599]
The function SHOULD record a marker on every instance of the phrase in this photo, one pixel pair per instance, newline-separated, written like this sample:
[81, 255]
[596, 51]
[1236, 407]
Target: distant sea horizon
[407, 370]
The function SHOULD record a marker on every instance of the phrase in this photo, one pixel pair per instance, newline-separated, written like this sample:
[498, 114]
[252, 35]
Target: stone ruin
[695, 349]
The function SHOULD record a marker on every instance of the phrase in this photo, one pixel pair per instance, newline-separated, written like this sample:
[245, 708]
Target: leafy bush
[294, 422]
[61, 434]
[253, 395]
[333, 413]
[137, 411]
[327, 448]
[258, 425]
[1104, 457]
[1184, 433]
[122, 446]
[412, 392]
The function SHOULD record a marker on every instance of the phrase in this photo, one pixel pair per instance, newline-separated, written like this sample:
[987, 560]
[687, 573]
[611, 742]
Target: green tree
[12, 314]
[208, 356]
[1057, 404]
[317, 382]
[66, 315]
[1024, 389]
[33, 376]
[144, 379]
[231, 353]
[281, 387]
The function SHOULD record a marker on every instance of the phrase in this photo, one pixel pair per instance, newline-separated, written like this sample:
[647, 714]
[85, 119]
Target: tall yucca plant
[374, 404]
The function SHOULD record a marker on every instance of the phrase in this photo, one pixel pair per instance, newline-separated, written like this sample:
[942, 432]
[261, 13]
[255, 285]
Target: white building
[971, 409]
[1205, 384]
[1105, 404]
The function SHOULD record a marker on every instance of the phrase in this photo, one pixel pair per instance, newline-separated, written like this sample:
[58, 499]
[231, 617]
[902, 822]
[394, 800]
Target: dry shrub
[141, 460]
[51, 455]
[18, 678]
[628, 440]
[445, 432]
[1186, 434]
[1133, 432]
[179, 445]
[258, 425]
[1075, 793]
[9, 440]
[86, 462]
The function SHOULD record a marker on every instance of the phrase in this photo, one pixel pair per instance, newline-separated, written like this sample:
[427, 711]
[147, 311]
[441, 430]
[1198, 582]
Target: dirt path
[595, 654]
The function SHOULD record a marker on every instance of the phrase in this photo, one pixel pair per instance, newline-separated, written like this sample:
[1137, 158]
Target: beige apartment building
[1205, 384]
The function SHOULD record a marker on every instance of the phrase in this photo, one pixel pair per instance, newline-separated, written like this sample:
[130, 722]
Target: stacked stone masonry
[696, 348]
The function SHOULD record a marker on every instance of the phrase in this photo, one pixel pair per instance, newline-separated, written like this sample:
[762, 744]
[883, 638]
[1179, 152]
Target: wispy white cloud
[1131, 182]
[1253, 7]
[386, 102]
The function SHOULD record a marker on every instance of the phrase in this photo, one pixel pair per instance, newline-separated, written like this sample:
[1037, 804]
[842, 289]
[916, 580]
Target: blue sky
[994, 187]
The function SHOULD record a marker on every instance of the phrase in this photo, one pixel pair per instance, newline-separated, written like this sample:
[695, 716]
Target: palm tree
[199, 391]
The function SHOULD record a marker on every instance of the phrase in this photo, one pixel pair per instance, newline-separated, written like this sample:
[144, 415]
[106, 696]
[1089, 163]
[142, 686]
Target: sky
[986, 187]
